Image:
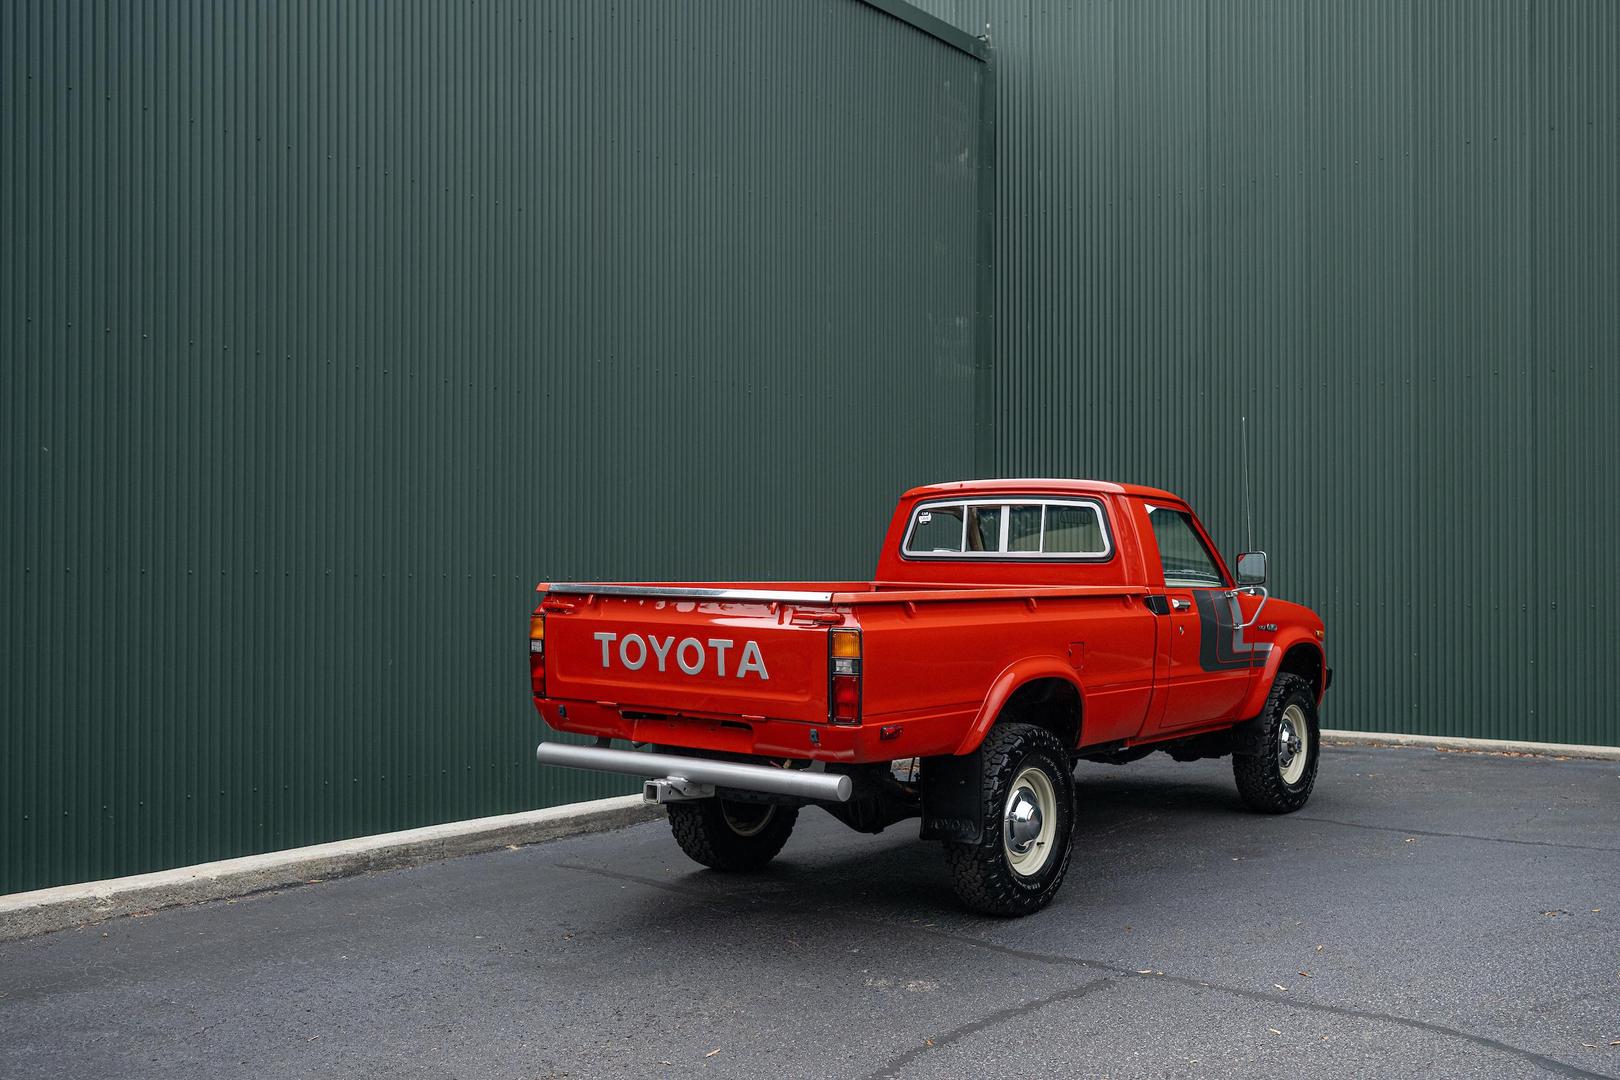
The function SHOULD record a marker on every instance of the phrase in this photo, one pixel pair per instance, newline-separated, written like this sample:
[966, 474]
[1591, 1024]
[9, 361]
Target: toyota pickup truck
[1013, 629]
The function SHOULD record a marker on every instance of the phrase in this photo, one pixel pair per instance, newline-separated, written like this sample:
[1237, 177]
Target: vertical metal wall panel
[1386, 231]
[331, 327]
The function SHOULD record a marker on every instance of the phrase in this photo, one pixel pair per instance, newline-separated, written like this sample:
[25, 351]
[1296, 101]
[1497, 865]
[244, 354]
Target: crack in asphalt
[1551, 1064]
[1112, 973]
[1457, 836]
[1012, 1012]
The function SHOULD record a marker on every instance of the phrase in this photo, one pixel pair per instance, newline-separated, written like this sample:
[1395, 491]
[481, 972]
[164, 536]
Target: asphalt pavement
[1427, 914]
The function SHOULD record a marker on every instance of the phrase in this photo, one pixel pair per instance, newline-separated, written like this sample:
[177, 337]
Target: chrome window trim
[1005, 503]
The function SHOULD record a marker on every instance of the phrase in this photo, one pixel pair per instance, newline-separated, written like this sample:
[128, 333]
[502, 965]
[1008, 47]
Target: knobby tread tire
[702, 831]
[1259, 779]
[979, 872]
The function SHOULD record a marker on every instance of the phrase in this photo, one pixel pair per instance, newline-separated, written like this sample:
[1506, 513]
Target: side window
[1185, 559]
[936, 530]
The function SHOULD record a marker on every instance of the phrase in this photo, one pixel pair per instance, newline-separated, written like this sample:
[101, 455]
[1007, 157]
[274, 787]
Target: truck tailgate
[689, 657]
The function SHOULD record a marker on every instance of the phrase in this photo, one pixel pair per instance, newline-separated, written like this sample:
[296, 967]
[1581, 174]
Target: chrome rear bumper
[820, 786]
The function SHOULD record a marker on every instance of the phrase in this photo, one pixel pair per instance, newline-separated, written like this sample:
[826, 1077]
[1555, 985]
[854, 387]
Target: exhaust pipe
[800, 783]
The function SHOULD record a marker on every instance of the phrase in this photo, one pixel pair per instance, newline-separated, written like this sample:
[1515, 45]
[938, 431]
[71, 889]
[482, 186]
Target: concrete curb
[1478, 746]
[26, 914]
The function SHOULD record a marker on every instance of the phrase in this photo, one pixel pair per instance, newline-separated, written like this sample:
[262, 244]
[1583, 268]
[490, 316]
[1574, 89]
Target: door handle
[1178, 604]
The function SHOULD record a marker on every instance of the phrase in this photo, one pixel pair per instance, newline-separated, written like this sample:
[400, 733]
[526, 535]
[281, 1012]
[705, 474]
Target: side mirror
[1251, 568]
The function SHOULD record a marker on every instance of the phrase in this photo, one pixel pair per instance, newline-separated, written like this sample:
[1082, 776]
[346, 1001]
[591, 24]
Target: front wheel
[1027, 794]
[1278, 779]
[728, 834]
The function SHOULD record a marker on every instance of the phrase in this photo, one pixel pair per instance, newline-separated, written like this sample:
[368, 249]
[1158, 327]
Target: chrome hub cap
[1029, 821]
[1023, 821]
[746, 819]
[1293, 744]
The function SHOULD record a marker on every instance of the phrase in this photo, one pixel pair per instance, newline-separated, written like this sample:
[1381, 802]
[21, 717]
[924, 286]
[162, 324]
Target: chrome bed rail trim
[681, 592]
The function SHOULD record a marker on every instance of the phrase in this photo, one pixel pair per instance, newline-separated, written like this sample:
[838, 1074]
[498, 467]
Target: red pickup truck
[1013, 628]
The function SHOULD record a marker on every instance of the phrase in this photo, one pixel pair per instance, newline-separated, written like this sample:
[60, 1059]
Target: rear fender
[1006, 684]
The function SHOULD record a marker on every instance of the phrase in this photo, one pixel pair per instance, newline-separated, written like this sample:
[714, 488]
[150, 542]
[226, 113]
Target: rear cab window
[1011, 528]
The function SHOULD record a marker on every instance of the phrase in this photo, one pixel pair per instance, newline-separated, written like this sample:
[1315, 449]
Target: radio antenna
[1248, 512]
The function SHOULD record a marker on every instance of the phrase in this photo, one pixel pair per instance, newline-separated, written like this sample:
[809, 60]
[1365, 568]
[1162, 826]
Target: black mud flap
[952, 808]
[1249, 737]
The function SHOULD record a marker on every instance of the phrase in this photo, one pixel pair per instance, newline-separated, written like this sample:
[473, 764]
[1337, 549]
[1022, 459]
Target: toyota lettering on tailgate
[691, 655]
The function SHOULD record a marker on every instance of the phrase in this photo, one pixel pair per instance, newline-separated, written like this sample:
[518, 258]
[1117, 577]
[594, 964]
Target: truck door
[1205, 664]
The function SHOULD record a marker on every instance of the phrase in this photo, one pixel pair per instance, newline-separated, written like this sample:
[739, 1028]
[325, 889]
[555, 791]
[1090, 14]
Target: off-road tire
[704, 833]
[1261, 780]
[981, 873]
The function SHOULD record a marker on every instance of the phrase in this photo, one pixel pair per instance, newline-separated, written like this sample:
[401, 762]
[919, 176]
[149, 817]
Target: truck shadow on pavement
[893, 874]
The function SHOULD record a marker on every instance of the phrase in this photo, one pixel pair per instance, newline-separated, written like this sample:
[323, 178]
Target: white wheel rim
[1029, 821]
[1293, 745]
[746, 819]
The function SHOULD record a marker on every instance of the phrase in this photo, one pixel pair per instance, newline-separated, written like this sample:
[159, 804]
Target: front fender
[1284, 641]
[1006, 684]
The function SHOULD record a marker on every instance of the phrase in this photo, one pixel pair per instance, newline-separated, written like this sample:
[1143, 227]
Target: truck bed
[744, 667]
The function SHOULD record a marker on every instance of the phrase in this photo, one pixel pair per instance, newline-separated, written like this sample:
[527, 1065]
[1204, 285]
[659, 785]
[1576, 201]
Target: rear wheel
[1278, 779]
[729, 834]
[1027, 792]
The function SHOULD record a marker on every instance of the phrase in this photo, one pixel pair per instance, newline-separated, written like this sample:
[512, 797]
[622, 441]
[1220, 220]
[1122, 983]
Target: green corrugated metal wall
[316, 315]
[331, 327]
[1388, 231]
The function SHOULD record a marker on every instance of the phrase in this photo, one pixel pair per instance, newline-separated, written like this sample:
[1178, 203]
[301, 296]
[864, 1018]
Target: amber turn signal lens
[846, 643]
[537, 627]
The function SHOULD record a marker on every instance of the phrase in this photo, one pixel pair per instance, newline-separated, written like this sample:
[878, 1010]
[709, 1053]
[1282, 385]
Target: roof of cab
[1040, 486]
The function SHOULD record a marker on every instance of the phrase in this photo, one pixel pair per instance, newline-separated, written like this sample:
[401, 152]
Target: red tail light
[846, 699]
[537, 653]
[844, 666]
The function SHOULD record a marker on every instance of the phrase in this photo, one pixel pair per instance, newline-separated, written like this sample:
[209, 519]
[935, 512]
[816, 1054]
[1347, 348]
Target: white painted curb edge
[25, 914]
[1487, 746]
